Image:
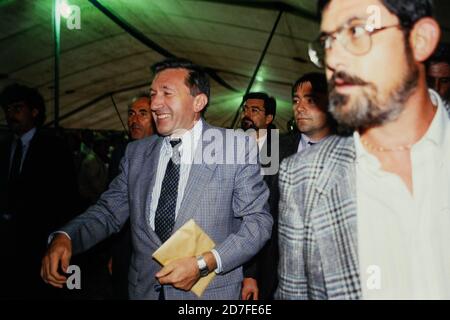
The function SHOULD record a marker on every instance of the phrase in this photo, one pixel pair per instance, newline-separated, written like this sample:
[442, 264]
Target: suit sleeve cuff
[218, 261]
[51, 236]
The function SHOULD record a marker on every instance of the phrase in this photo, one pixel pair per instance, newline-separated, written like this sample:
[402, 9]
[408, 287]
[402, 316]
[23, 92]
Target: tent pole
[56, 37]
[263, 54]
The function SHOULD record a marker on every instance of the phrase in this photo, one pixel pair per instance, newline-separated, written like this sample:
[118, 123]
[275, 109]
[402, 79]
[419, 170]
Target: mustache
[248, 119]
[135, 126]
[347, 78]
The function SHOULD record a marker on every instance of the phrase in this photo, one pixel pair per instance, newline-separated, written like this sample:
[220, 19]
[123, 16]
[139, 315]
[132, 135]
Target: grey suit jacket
[228, 201]
[317, 223]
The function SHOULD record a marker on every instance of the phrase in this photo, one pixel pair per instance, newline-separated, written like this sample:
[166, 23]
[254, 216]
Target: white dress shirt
[261, 141]
[305, 142]
[403, 239]
[188, 147]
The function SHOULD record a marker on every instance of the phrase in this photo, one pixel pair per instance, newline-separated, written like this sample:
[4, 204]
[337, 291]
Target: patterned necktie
[165, 212]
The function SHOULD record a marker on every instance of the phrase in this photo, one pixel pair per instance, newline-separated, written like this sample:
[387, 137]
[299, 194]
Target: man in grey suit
[366, 216]
[168, 179]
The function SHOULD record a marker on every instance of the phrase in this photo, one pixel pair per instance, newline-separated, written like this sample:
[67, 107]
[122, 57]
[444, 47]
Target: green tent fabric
[101, 59]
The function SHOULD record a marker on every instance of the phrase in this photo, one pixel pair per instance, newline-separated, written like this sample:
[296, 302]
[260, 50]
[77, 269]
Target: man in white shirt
[367, 216]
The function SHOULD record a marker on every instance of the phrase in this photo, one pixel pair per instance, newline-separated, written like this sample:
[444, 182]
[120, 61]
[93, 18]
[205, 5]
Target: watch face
[202, 266]
[204, 272]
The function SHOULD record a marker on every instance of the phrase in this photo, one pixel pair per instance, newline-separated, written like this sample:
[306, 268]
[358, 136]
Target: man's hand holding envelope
[179, 255]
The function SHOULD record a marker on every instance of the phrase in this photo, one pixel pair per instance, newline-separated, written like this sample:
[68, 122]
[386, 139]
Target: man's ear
[424, 38]
[200, 102]
[34, 113]
[269, 119]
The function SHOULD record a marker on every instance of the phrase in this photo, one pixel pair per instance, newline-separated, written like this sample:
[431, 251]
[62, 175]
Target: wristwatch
[203, 267]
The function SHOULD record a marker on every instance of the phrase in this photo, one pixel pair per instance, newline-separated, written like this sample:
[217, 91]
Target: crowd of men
[358, 210]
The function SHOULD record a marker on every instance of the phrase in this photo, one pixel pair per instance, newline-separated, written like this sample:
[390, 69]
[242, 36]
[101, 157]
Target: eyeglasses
[355, 38]
[14, 107]
[253, 110]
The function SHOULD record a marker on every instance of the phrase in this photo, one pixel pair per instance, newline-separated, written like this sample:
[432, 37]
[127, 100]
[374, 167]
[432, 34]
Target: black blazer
[44, 198]
[263, 267]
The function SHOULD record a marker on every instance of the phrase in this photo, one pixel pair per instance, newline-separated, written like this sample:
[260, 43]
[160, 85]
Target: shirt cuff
[218, 261]
[51, 236]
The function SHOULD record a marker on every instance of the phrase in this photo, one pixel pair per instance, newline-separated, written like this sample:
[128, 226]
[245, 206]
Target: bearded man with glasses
[366, 216]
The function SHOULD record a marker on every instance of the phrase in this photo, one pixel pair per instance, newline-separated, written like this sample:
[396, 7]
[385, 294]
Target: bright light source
[259, 78]
[258, 87]
[64, 9]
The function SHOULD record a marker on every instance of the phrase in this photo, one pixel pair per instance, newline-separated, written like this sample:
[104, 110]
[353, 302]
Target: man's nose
[156, 102]
[336, 56]
[300, 107]
[437, 85]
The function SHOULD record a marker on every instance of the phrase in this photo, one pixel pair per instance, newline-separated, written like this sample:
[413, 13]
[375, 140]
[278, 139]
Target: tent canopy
[104, 62]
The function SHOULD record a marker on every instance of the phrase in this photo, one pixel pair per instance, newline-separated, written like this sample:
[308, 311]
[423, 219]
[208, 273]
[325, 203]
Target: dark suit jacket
[44, 197]
[263, 267]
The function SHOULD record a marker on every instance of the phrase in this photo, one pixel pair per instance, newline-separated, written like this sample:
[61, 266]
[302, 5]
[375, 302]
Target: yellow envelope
[189, 240]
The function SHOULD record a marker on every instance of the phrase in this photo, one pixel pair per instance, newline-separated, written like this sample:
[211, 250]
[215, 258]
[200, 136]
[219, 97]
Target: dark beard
[247, 124]
[367, 110]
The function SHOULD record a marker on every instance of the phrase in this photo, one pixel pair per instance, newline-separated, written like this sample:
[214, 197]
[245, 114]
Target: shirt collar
[26, 137]
[436, 132]
[262, 140]
[189, 140]
[305, 139]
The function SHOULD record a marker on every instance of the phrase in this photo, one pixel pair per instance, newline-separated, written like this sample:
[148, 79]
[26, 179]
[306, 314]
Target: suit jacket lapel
[199, 177]
[5, 158]
[5, 154]
[146, 184]
[334, 218]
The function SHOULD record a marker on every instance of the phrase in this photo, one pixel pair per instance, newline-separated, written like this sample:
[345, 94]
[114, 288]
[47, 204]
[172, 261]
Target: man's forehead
[339, 12]
[169, 77]
[439, 69]
[304, 88]
[255, 102]
[141, 103]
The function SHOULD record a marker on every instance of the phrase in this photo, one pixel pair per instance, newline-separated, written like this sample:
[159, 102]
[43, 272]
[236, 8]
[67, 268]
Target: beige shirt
[404, 239]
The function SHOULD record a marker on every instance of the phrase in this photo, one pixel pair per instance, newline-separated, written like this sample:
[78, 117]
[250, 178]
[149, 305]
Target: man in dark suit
[315, 124]
[258, 114]
[165, 181]
[37, 189]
